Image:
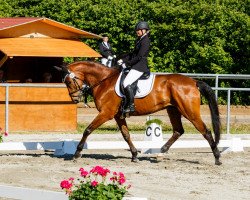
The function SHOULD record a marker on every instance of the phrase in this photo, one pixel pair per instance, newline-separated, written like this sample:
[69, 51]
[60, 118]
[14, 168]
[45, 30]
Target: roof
[46, 47]
[18, 22]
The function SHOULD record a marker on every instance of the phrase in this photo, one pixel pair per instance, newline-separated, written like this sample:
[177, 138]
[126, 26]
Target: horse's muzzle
[75, 100]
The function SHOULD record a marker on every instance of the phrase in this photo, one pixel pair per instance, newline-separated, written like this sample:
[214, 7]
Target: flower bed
[98, 183]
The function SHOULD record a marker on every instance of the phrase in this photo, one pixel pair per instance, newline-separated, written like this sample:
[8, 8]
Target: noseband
[83, 90]
[77, 86]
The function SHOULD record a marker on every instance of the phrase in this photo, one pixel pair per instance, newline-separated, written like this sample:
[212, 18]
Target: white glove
[124, 65]
[114, 56]
[120, 62]
[110, 57]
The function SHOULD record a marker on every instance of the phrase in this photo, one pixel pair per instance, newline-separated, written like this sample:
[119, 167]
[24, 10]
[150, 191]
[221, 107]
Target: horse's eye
[67, 83]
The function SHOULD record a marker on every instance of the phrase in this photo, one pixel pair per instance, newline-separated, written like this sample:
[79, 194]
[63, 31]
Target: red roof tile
[15, 21]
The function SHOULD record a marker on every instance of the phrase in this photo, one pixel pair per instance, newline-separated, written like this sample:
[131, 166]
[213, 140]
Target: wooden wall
[38, 109]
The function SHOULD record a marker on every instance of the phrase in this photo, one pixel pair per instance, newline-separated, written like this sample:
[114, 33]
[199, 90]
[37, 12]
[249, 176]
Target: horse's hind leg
[175, 119]
[125, 133]
[201, 127]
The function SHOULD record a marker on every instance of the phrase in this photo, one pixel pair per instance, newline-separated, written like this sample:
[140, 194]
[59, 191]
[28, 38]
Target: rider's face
[105, 39]
[140, 32]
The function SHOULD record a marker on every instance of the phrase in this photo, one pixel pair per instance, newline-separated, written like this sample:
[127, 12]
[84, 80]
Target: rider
[137, 62]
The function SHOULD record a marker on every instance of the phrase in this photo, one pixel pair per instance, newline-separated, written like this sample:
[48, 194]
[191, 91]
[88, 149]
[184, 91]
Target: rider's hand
[124, 65]
[114, 56]
[110, 57]
[120, 62]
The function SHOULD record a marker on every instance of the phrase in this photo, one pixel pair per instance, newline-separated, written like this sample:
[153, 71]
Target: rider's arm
[142, 53]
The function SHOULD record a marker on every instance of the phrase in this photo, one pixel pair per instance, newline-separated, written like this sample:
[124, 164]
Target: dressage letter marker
[153, 133]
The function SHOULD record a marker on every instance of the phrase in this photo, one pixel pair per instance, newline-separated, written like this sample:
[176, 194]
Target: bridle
[74, 78]
[86, 89]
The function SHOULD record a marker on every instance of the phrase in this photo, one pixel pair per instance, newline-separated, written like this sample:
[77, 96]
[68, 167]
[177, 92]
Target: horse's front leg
[125, 133]
[98, 121]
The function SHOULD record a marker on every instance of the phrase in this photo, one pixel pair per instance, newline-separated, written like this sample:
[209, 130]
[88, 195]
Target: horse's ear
[58, 68]
[61, 69]
[65, 69]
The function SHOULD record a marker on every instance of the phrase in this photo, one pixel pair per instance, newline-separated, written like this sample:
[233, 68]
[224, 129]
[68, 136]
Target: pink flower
[94, 183]
[6, 134]
[121, 174]
[122, 180]
[65, 184]
[83, 172]
[100, 170]
[114, 178]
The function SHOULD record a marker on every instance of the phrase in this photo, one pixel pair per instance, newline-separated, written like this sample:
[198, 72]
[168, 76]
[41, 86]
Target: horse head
[74, 81]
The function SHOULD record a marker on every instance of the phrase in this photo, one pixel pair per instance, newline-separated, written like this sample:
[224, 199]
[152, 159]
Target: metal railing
[206, 76]
[217, 77]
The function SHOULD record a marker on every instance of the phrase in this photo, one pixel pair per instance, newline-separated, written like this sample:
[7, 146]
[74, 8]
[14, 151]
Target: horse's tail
[208, 93]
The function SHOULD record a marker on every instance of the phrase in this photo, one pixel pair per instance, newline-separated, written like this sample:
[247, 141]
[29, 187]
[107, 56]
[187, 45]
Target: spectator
[28, 80]
[2, 80]
[47, 77]
[106, 52]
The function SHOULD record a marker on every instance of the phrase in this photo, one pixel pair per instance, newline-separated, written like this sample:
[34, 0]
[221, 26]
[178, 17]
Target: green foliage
[100, 192]
[156, 121]
[194, 36]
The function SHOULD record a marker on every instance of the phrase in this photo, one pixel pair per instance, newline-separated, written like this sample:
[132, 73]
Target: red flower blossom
[71, 179]
[122, 180]
[100, 170]
[83, 172]
[94, 183]
[6, 134]
[65, 184]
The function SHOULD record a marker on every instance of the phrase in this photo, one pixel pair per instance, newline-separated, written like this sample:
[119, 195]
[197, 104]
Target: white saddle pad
[144, 86]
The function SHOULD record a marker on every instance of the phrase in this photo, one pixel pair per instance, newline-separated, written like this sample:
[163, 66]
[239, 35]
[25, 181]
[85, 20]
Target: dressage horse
[178, 94]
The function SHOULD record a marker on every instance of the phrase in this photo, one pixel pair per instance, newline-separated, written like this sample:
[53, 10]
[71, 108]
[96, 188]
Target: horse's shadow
[106, 156]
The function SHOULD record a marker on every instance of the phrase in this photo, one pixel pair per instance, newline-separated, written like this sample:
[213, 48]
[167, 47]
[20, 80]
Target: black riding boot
[130, 106]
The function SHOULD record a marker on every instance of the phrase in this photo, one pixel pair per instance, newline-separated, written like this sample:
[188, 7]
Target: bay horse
[178, 94]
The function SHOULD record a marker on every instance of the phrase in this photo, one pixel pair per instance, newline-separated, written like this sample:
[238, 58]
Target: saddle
[141, 88]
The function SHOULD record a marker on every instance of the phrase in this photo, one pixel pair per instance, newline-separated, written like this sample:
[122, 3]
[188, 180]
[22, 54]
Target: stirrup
[129, 109]
[124, 115]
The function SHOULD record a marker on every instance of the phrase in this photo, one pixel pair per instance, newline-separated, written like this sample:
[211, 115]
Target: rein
[87, 90]
[101, 81]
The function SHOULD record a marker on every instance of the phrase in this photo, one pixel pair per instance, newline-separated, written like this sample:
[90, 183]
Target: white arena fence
[153, 141]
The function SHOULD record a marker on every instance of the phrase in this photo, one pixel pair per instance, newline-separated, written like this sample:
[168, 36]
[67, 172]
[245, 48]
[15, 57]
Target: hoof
[135, 160]
[160, 157]
[217, 162]
[164, 149]
[77, 155]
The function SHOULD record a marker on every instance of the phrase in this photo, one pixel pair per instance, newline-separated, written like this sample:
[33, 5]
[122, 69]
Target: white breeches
[132, 76]
[106, 62]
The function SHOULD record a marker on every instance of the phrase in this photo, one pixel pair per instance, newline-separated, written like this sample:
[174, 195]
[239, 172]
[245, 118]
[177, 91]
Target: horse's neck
[96, 73]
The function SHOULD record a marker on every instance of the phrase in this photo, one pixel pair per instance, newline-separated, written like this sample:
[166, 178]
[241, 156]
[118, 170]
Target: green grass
[166, 128]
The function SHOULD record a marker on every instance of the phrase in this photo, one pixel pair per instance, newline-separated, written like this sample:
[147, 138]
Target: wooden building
[29, 48]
